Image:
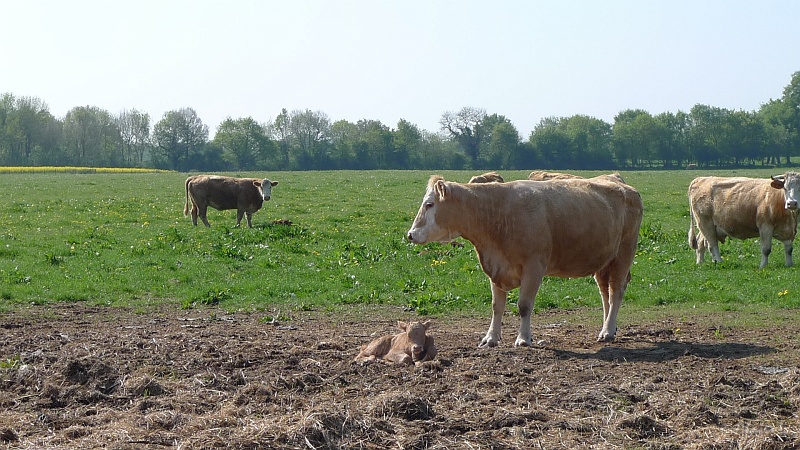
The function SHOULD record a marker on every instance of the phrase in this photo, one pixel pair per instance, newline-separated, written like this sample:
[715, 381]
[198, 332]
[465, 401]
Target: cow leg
[787, 249]
[612, 284]
[701, 249]
[194, 214]
[202, 211]
[766, 245]
[527, 297]
[239, 215]
[249, 219]
[492, 337]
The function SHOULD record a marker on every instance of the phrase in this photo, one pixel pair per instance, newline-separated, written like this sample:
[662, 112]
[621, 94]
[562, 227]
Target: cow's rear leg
[492, 337]
[239, 215]
[249, 216]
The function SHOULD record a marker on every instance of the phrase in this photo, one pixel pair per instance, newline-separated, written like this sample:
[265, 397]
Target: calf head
[265, 188]
[790, 183]
[415, 331]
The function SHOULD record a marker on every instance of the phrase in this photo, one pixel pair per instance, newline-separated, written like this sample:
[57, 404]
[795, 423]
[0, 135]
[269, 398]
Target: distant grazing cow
[412, 346]
[691, 166]
[539, 175]
[488, 177]
[245, 195]
[743, 208]
[524, 230]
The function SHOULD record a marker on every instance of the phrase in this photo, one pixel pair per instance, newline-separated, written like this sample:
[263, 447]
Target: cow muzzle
[791, 205]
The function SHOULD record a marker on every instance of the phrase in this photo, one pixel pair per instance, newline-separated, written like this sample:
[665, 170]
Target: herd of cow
[525, 230]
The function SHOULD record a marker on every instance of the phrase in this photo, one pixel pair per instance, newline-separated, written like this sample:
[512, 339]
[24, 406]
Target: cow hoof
[487, 343]
[606, 338]
[522, 343]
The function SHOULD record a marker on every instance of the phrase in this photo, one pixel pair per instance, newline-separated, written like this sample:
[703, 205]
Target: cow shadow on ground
[668, 351]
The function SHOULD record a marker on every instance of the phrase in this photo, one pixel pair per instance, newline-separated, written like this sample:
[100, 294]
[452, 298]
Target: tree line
[468, 139]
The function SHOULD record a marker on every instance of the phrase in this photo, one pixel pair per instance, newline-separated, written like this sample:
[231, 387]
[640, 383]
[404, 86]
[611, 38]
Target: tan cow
[245, 195]
[411, 346]
[540, 175]
[524, 230]
[488, 177]
[743, 208]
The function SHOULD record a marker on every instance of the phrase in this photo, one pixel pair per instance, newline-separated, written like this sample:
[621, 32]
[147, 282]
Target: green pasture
[121, 240]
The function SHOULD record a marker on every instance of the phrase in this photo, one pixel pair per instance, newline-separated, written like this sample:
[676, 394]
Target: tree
[464, 127]
[309, 134]
[407, 143]
[180, 137]
[24, 123]
[134, 130]
[91, 137]
[245, 144]
[551, 143]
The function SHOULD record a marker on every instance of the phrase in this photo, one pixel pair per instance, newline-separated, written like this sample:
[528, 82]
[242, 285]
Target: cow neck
[470, 216]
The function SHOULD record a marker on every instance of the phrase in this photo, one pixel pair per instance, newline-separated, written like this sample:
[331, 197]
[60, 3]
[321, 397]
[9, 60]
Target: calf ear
[441, 190]
[777, 182]
[427, 324]
[402, 325]
[257, 183]
[274, 183]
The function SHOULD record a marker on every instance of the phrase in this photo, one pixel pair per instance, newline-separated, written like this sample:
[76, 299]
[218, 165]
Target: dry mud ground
[73, 376]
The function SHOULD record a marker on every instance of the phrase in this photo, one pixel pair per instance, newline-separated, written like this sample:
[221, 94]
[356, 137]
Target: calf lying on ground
[409, 347]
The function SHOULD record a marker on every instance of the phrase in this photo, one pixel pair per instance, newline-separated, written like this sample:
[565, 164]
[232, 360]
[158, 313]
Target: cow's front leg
[787, 249]
[527, 297]
[202, 212]
[249, 216]
[492, 337]
[766, 245]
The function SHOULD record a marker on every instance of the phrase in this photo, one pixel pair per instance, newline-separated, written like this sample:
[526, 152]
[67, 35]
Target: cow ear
[274, 183]
[402, 325]
[257, 183]
[441, 190]
[777, 182]
[427, 324]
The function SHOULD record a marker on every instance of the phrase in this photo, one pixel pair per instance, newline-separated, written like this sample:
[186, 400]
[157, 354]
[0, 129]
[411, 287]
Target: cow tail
[186, 205]
[692, 224]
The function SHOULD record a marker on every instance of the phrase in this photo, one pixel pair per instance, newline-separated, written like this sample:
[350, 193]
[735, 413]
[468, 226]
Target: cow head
[425, 229]
[790, 183]
[265, 187]
[416, 332]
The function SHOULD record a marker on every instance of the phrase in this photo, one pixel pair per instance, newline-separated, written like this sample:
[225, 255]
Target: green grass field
[121, 240]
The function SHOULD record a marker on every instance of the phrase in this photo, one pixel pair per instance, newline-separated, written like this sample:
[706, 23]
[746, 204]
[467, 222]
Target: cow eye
[428, 205]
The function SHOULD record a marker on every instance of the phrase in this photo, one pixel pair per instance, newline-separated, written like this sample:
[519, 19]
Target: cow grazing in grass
[245, 195]
[743, 208]
[411, 346]
[524, 230]
[488, 177]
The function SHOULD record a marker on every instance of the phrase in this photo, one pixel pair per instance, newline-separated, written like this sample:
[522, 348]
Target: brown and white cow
[488, 177]
[245, 195]
[524, 230]
[743, 208]
[412, 346]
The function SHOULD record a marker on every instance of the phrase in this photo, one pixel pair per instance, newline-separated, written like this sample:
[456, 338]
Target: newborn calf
[409, 347]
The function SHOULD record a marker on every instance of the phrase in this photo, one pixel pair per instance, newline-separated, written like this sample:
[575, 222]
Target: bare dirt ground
[73, 376]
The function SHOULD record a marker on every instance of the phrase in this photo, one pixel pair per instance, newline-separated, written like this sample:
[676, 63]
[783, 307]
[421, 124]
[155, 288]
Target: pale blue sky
[387, 60]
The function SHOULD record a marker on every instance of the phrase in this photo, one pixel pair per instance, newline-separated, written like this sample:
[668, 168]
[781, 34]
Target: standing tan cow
[524, 230]
[245, 195]
[743, 208]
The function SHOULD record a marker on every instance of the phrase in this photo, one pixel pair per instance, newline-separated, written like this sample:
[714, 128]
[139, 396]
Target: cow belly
[221, 204]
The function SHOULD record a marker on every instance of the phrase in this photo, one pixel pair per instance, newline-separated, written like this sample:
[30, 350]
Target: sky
[388, 60]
